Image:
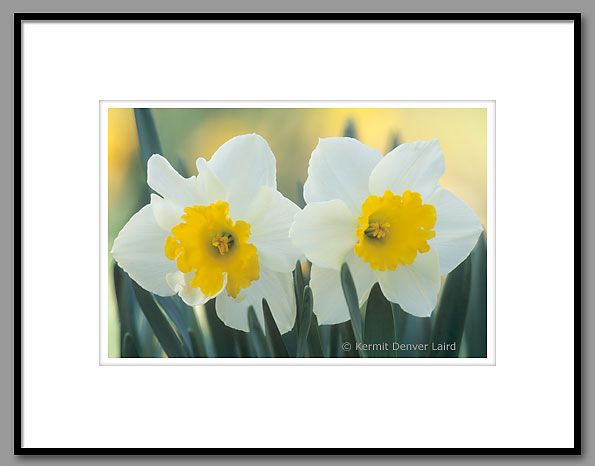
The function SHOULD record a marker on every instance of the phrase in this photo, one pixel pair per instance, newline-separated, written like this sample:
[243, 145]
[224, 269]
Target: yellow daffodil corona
[209, 244]
[394, 229]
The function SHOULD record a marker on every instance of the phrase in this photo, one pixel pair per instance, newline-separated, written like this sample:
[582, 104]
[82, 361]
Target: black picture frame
[19, 18]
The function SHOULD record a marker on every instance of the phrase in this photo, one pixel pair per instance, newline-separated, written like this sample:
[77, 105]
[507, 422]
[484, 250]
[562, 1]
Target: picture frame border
[19, 18]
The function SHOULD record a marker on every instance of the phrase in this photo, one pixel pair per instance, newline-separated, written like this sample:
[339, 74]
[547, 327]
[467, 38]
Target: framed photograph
[297, 287]
[200, 220]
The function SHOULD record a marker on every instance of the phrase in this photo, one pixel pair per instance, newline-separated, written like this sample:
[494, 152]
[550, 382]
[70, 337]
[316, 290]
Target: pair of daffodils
[229, 235]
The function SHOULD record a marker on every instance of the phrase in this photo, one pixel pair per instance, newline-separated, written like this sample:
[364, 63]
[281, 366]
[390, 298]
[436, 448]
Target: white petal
[167, 214]
[209, 186]
[457, 229]
[180, 283]
[138, 250]
[162, 178]
[330, 306]
[339, 169]
[278, 290]
[270, 215]
[235, 314]
[244, 164]
[414, 287]
[416, 166]
[325, 232]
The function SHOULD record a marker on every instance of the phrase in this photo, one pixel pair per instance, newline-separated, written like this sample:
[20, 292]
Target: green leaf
[394, 141]
[290, 340]
[275, 340]
[193, 325]
[304, 324]
[300, 202]
[173, 309]
[314, 343]
[324, 333]
[222, 336]
[347, 337]
[298, 281]
[350, 131]
[243, 345]
[132, 320]
[148, 345]
[257, 338]
[400, 318]
[475, 335]
[180, 167]
[164, 332]
[149, 144]
[125, 300]
[418, 332]
[147, 134]
[379, 325]
[335, 342]
[197, 344]
[451, 313]
[128, 347]
[352, 303]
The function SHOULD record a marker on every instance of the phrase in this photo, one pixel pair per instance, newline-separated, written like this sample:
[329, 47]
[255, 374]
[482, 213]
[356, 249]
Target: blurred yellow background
[292, 134]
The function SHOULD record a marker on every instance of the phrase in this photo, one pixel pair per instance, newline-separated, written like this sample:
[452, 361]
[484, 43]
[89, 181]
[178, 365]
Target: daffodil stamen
[377, 229]
[393, 229]
[222, 242]
[212, 246]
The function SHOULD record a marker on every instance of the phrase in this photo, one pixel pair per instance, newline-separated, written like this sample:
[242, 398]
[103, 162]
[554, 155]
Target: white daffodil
[387, 218]
[223, 234]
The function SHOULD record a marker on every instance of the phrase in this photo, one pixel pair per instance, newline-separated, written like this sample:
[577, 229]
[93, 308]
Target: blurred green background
[292, 134]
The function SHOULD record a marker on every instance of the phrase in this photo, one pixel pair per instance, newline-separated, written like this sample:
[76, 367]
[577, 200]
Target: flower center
[394, 229]
[222, 242]
[210, 244]
[377, 229]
